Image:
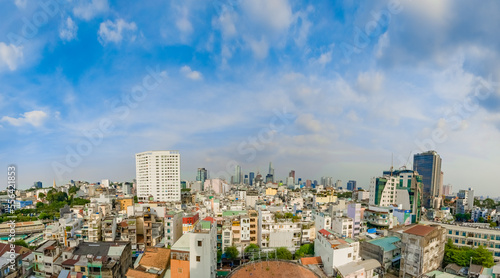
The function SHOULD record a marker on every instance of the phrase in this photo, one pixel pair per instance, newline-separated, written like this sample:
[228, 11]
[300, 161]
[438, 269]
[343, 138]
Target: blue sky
[327, 88]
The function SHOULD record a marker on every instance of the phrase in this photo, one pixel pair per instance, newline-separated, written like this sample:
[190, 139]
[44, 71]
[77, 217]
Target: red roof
[420, 230]
[69, 262]
[311, 260]
[208, 218]
[324, 232]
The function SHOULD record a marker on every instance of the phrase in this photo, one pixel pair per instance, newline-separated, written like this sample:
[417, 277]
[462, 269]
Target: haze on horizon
[326, 89]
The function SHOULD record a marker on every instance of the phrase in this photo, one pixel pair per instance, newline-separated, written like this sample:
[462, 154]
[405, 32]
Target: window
[198, 258]
[349, 255]
[199, 243]
[179, 270]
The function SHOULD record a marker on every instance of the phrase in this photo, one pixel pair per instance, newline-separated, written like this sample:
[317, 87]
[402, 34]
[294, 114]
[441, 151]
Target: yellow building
[125, 202]
[322, 199]
[271, 191]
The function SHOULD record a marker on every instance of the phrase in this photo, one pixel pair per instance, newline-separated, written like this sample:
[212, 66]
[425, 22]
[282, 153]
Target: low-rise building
[335, 251]
[422, 250]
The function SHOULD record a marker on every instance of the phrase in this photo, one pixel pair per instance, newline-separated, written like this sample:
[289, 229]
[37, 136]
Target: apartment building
[173, 227]
[472, 236]
[45, 258]
[158, 176]
[343, 226]
[195, 254]
[275, 233]
[335, 251]
[422, 250]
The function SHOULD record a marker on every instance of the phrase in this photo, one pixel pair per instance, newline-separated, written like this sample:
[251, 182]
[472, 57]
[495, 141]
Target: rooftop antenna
[408, 160]
[392, 162]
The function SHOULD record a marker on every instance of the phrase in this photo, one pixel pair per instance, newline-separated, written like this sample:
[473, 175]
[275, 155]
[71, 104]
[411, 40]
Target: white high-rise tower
[158, 175]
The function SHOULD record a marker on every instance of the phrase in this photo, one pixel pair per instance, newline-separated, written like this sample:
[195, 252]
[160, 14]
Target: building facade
[158, 176]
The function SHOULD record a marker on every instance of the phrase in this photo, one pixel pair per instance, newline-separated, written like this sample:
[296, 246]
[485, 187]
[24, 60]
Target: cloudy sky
[327, 88]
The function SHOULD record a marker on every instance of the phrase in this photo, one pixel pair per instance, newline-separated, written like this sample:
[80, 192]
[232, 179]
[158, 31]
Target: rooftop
[155, 257]
[387, 243]
[132, 273]
[359, 265]
[311, 260]
[420, 230]
[274, 269]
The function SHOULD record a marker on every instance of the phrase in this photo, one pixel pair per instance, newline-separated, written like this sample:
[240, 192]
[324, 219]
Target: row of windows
[474, 235]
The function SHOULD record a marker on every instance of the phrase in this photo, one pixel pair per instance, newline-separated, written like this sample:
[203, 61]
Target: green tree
[41, 195]
[40, 205]
[493, 224]
[481, 219]
[136, 200]
[21, 242]
[283, 253]
[232, 252]
[219, 255]
[252, 248]
[482, 256]
[304, 250]
[462, 255]
[73, 190]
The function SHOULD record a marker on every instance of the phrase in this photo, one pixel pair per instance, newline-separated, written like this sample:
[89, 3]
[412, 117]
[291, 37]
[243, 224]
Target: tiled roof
[155, 257]
[420, 230]
[311, 260]
[324, 232]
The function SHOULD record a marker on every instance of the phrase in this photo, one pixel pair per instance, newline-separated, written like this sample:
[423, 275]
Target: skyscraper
[201, 176]
[292, 174]
[351, 185]
[158, 175]
[270, 176]
[237, 174]
[251, 176]
[428, 165]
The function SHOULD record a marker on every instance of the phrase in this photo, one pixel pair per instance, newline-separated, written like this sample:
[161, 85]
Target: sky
[327, 88]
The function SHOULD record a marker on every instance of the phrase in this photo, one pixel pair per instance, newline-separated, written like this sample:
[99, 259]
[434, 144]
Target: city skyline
[300, 84]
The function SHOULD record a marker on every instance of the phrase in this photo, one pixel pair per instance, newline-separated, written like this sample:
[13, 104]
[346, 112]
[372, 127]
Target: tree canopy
[306, 249]
[462, 255]
[282, 253]
[252, 248]
[232, 252]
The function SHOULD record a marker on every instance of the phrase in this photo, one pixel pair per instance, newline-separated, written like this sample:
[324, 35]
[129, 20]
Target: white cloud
[20, 3]
[183, 23]
[191, 74]
[276, 14]
[369, 82]
[260, 48]
[90, 8]
[10, 56]
[115, 31]
[308, 122]
[34, 118]
[68, 30]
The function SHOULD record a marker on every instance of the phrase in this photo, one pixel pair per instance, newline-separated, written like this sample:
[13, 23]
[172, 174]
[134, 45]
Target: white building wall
[158, 175]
